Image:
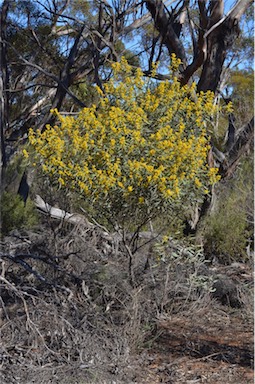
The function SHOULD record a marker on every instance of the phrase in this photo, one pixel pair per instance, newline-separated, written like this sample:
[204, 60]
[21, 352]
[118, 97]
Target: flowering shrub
[139, 152]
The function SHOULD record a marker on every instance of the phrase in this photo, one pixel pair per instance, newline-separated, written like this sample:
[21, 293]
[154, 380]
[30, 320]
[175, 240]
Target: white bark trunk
[60, 214]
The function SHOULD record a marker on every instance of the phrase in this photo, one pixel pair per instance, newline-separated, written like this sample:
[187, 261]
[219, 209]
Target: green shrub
[15, 214]
[228, 229]
[226, 234]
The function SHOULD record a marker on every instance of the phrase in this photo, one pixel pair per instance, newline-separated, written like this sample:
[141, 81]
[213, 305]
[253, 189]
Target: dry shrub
[75, 316]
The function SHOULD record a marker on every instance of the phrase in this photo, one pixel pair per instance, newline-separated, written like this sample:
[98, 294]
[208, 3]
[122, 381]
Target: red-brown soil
[210, 348]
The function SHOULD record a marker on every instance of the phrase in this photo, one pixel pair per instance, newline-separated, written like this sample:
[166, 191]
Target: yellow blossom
[143, 142]
[25, 153]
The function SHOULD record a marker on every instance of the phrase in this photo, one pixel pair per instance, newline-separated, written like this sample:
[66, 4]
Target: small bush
[228, 229]
[15, 214]
[226, 235]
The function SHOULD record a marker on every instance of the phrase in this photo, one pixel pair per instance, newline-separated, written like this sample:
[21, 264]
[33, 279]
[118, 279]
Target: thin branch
[106, 42]
[17, 90]
[165, 27]
[235, 13]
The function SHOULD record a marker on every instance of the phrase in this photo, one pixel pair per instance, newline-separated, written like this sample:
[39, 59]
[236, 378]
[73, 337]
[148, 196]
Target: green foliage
[84, 91]
[231, 225]
[15, 214]
[129, 55]
[13, 172]
[242, 84]
[226, 233]
[80, 7]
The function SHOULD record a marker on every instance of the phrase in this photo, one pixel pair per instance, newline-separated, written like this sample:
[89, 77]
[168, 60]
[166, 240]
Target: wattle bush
[140, 152]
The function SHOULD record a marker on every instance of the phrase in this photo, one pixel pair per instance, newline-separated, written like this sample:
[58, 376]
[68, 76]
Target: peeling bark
[218, 43]
[216, 34]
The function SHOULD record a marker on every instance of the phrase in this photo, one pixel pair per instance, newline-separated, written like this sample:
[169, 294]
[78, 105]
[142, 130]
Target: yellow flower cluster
[144, 144]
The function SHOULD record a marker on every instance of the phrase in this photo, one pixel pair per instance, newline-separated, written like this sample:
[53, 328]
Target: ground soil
[213, 348]
[210, 348]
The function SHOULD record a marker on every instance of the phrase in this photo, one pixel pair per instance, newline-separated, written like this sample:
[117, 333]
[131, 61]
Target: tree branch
[165, 27]
[235, 14]
[244, 139]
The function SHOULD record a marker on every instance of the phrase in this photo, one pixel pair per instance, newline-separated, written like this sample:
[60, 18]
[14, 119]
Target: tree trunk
[166, 29]
[65, 81]
[3, 86]
[216, 34]
[218, 43]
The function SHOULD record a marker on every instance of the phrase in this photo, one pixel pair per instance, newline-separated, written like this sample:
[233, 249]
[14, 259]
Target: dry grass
[85, 323]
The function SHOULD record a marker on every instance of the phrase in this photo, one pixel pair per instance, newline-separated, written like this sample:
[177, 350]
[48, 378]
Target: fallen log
[60, 214]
